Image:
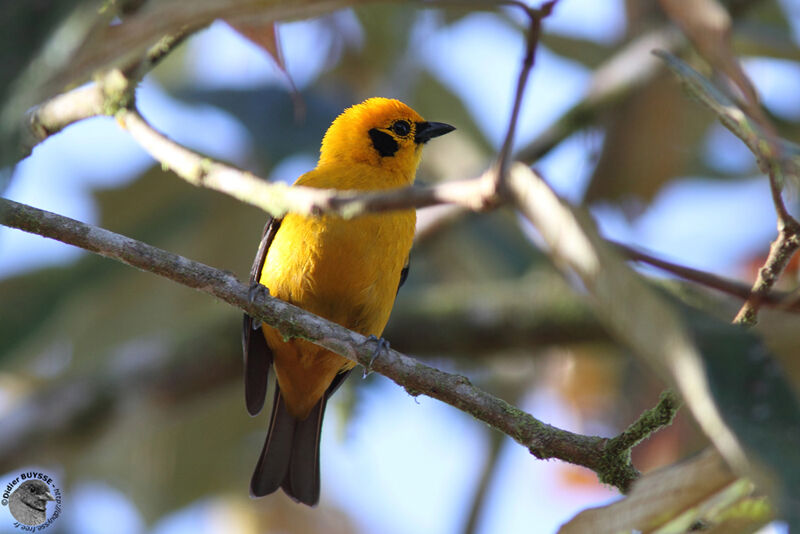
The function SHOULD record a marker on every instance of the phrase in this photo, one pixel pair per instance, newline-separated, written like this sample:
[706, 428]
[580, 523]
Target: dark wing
[257, 355]
[403, 275]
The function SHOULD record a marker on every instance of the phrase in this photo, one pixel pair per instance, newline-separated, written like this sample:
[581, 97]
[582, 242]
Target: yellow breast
[345, 270]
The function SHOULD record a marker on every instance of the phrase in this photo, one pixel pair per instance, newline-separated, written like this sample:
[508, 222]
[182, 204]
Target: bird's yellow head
[381, 132]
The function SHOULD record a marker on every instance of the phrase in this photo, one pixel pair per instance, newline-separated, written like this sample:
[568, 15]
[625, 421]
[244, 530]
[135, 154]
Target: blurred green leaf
[757, 403]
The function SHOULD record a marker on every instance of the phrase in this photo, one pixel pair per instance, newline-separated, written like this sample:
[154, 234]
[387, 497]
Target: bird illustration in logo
[28, 504]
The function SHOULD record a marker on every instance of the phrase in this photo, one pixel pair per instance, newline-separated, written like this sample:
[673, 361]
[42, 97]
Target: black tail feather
[290, 456]
[302, 479]
[273, 464]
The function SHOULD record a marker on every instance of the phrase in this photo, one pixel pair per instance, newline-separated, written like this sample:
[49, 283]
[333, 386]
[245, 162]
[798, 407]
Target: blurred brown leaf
[650, 140]
[265, 35]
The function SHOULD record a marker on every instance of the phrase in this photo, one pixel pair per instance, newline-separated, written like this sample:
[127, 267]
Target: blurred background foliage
[116, 377]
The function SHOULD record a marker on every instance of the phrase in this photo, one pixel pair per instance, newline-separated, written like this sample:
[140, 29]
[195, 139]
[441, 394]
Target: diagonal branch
[543, 440]
[779, 299]
[115, 86]
[277, 199]
[634, 313]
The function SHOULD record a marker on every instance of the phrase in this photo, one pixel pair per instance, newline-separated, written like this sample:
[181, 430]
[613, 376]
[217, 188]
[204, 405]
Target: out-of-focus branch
[104, 96]
[632, 311]
[713, 281]
[479, 500]
[720, 371]
[50, 415]
[777, 299]
[617, 78]
[533, 311]
[777, 159]
[543, 440]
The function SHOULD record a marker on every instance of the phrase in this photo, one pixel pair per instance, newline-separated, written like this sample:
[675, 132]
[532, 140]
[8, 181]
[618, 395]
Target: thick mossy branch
[617, 469]
[657, 417]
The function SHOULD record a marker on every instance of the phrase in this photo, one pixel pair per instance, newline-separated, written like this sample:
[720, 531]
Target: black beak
[428, 130]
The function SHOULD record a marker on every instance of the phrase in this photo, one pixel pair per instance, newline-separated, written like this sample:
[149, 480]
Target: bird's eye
[32, 489]
[401, 128]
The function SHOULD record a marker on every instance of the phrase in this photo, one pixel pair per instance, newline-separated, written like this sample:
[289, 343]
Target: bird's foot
[382, 346]
[257, 291]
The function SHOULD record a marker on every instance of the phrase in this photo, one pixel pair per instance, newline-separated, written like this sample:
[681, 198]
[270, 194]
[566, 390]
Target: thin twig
[780, 252]
[628, 70]
[777, 299]
[531, 42]
[776, 157]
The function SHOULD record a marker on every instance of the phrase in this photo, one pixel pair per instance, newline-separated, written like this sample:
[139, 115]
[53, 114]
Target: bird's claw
[255, 292]
[382, 346]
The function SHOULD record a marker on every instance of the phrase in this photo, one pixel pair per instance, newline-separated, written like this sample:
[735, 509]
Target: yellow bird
[347, 271]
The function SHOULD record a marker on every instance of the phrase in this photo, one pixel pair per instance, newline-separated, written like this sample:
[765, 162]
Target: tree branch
[543, 440]
[778, 299]
[619, 448]
[278, 199]
[632, 311]
[102, 97]
[780, 252]
[616, 79]
[776, 157]
[535, 17]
